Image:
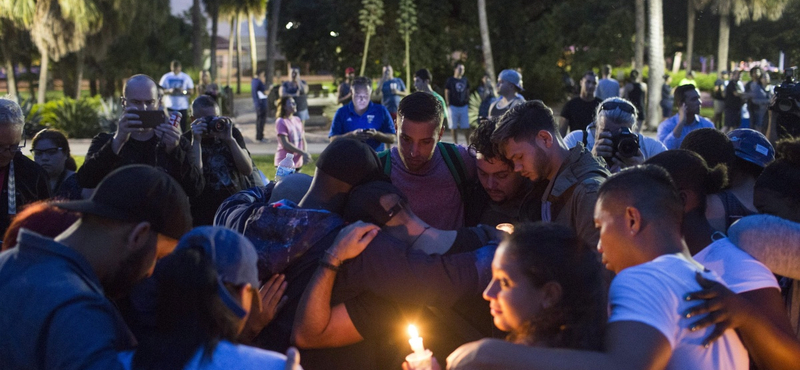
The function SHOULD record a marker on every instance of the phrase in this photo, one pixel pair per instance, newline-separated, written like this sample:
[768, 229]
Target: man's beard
[133, 269]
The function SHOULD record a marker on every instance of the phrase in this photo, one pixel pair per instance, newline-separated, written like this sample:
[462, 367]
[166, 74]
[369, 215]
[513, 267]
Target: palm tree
[272, 38]
[370, 17]
[11, 37]
[742, 10]
[638, 45]
[197, 33]
[256, 9]
[212, 7]
[407, 25]
[693, 7]
[486, 43]
[58, 28]
[656, 57]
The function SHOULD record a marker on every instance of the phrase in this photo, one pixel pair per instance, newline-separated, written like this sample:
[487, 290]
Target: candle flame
[413, 332]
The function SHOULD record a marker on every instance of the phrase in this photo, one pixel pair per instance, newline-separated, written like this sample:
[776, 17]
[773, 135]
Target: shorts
[303, 114]
[719, 106]
[459, 117]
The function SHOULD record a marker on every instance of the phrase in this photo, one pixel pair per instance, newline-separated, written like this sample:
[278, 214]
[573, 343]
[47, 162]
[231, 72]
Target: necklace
[420, 235]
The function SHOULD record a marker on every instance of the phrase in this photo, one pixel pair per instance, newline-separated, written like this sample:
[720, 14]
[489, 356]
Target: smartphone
[150, 118]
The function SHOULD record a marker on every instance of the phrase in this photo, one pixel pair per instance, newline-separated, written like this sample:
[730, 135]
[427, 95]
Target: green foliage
[371, 15]
[78, 118]
[408, 18]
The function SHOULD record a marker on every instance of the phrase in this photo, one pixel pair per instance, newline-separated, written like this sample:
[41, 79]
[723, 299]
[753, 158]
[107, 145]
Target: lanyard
[12, 190]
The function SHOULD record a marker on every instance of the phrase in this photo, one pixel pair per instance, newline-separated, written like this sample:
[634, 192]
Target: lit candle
[416, 340]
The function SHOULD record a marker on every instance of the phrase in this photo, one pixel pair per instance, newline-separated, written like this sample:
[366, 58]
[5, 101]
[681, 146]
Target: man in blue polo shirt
[363, 120]
[54, 313]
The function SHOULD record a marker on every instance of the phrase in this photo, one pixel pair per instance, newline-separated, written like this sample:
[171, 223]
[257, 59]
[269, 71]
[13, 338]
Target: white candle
[416, 340]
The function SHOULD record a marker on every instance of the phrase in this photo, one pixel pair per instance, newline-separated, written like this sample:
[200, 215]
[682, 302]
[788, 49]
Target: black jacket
[31, 186]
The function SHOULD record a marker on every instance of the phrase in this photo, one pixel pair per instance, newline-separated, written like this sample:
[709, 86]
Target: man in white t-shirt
[613, 115]
[177, 85]
[639, 215]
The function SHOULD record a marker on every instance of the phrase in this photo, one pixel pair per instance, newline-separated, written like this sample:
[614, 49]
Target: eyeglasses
[49, 151]
[625, 107]
[13, 149]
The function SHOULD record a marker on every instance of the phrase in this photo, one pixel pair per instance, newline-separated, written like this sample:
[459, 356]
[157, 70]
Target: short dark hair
[588, 73]
[175, 64]
[204, 101]
[260, 71]
[421, 107]
[647, 187]
[524, 121]
[424, 75]
[361, 82]
[481, 140]
[634, 74]
[711, 144]
[680, 91]
[606, 70]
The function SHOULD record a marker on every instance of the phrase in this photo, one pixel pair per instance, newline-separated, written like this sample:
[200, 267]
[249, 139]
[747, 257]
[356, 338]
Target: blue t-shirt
[665, 134]
[53, 312]
[376, 116]
[255, 86]
[390, 100]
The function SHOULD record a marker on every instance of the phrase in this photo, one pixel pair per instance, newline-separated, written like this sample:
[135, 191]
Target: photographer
[219, 151]
[141, 141]
[784, 109]
[614, 125]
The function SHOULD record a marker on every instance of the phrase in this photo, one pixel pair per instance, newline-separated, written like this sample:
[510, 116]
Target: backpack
[451, 156]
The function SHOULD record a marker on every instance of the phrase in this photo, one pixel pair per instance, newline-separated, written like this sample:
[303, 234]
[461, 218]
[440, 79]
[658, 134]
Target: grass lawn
[265, 163]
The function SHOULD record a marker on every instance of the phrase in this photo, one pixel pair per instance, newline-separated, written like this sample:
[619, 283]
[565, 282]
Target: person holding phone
[672, 131]
[143, 136]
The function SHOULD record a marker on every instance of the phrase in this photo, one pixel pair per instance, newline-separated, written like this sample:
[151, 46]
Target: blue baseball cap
[234, 258]
[513, 77]
[752, 146]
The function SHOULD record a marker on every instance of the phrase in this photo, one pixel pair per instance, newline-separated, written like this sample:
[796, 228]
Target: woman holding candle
[547, 289]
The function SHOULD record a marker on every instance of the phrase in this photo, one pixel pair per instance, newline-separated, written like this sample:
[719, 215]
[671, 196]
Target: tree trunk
[197, 34]
[724, 37]
[364, 57]
[80, 59]
[272, 37]
[43, 76]
[231, 40]
[238, 54]
[690, 36]
[486, 43]
[11, 79]
[656, 57]
[640, 36]
[408, 61]
[213, 47]
[253, 55]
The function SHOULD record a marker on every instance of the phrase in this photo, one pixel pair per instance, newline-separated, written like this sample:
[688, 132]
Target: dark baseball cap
[351, 161]
[364, 203]
[138, 193]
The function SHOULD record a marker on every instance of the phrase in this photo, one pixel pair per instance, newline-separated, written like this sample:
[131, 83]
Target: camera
[786, 105]
[787, 95]
[625, 142]
[215, 124]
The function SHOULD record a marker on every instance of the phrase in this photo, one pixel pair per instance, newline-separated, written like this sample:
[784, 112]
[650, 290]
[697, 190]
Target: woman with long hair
[291, 133]
[205, 291]
[50, 150]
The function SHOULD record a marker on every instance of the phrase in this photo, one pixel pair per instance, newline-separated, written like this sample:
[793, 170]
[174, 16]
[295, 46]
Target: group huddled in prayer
[446, 223]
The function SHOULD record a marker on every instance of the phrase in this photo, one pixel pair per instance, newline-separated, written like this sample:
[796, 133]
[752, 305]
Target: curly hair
[481, 140]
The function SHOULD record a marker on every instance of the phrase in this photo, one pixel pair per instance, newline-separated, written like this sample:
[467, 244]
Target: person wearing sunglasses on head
[50, 150]
[21, 180]
[612, 136]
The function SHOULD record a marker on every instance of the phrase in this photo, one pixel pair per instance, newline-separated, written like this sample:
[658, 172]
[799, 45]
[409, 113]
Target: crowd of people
[546, 243]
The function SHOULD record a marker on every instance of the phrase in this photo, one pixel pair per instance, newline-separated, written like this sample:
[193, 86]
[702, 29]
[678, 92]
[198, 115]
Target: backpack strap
[386, 161]
[455, 163]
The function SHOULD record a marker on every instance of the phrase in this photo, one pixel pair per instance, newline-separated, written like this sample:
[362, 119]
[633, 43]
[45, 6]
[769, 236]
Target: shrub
[77, 118]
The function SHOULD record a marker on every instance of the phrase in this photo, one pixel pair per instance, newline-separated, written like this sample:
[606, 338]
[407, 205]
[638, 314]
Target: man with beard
[565, 180]
[55, 311]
